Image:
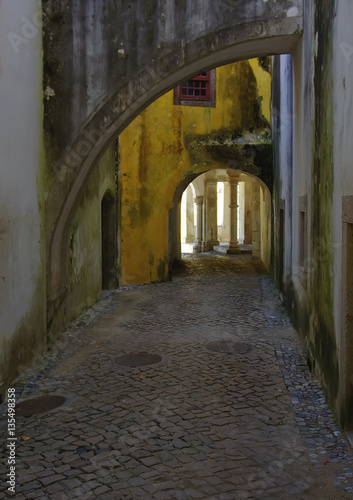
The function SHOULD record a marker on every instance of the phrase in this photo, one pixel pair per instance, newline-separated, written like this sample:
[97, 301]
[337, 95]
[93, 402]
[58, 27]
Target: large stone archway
[124, 56]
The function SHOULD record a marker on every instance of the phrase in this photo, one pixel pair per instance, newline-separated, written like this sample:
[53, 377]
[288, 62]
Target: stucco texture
[156, 157]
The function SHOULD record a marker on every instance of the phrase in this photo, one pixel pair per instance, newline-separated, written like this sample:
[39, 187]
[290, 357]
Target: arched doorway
[244, 228]
[109, 254]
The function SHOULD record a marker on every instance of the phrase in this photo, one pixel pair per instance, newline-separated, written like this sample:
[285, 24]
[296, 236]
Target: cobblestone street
[198, 424]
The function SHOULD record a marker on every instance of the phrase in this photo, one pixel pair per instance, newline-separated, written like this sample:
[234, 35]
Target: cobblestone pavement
[198, 424]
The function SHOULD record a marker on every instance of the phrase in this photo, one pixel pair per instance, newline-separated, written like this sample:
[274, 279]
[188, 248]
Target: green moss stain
[85, 242]
[28, 343]
[29, 340]
[250, 152]
[321, 282]
[245, 99]
[72, 247]
[162, 269]
[133, 215]
[265, 63]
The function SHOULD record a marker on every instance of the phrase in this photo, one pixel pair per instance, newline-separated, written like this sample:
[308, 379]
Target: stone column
[210, 227]
[241, 211]
[233, 176]
[256, 220]
[248, 214]
[190, 228]
[198, 240]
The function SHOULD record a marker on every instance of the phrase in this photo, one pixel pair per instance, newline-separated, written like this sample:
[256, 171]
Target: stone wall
[85, 243]
[313, 190]
[22, 190]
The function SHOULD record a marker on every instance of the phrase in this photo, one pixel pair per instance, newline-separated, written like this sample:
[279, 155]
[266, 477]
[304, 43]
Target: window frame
[208, 101]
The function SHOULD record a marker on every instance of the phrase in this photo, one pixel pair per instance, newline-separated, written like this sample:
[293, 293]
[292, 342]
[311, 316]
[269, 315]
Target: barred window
[197, 91]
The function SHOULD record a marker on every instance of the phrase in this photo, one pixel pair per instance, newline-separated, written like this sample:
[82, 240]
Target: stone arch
[262, 33]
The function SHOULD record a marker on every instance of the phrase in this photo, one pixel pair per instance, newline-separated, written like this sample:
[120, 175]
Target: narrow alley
[218, 403]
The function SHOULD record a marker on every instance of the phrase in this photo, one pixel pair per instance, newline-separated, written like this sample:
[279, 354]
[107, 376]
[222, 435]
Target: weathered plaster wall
[165, 145]
[22, 267]
[342, 55]
[85, 244]
[323, 341]
[313, 285]
[315, 183]
[282, 127]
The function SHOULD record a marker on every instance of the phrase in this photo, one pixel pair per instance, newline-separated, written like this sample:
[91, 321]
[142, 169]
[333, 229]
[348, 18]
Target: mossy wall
[158, 152]
[282, 129]
[22, 214]
[85, 242]
[321, 314]
[310, 294]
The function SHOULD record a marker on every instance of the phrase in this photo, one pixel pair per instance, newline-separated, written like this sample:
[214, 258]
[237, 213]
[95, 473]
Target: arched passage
[86, 95]
[257, 199]
[260, 29]
[214, 189]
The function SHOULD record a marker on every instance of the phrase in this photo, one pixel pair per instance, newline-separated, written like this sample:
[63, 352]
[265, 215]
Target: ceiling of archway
[250, 152]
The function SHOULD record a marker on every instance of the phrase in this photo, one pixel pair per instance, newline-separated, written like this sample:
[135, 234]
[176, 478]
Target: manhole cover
[228, 346]
[138, 359]
[38, 405]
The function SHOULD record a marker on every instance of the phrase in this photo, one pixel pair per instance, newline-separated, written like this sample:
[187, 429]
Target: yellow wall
[155, 159]
[263, 79]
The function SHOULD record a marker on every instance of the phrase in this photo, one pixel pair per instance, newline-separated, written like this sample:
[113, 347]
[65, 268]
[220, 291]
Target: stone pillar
[226, 216]
[198, 240]
[256, 220]
[248, 214]
[241, 211]
[233, 176]
[190, 228]
[210, 226]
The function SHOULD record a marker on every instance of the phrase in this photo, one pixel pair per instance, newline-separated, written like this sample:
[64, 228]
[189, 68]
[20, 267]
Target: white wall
[265, 225]
[22, 269]
[343, 127]
[322, 171]
[285, 119]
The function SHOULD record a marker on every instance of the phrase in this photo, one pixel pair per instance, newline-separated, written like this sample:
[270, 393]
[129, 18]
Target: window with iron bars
[197, 91]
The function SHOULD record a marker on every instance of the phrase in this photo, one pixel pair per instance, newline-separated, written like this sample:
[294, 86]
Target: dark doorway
[347, 345]
[109, 257]
[281, 247]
